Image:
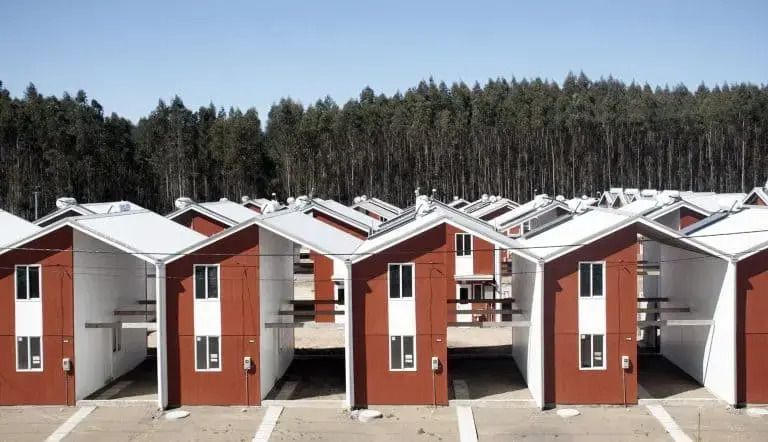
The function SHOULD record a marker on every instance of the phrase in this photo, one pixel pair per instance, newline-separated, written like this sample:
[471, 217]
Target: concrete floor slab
[28, 424]
[662, 380]
[398, 423]
[592, 424]
[316, 379]
[489, 379]
[719, 423]
[139, 387]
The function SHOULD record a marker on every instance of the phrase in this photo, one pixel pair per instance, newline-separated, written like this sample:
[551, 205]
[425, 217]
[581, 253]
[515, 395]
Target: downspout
[162, 341]
[542, 335]
[497, 279]
[735, 329]
[349, 339]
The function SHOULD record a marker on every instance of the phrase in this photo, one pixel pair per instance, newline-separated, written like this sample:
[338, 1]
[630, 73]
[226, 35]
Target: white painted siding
[275, 293]
[707, 286]
[29, 316]
[207, 317]
[527, 342]
[401, 312]
[102, 282]
[592, 315]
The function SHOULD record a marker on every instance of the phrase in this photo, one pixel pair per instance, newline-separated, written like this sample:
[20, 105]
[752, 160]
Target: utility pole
[36, 192]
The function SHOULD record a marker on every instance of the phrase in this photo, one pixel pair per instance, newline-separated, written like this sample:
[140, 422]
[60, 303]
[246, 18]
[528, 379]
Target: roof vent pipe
[64, 202]
[223, 200]
[182, 202]
[244, 199]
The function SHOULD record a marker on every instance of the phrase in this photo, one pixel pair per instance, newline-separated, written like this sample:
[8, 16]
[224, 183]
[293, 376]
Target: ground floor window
[591, 350]
[207, 353]
[402, 353]
[29, 353]
[339, 295]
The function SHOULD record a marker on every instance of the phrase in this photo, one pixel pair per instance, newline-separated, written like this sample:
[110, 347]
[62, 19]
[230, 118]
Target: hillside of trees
[508, 137]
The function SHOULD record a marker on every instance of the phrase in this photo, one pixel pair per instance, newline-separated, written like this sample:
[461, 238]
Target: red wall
[374, 383]
[688, 217]
[482, 263]
[51, 386]
[752, 329]
[200, 223]
[565, 382]
[240, 321]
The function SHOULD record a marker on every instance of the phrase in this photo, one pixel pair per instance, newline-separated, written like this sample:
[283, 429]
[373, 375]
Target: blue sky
[127, 55]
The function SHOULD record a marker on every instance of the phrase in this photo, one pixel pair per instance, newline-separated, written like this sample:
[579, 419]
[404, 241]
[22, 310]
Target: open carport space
[137, 386]
[317, 377]
[488, 379]
[398, 424]
[719, 423]
[22, 424]
[660, 379]
[592, 424]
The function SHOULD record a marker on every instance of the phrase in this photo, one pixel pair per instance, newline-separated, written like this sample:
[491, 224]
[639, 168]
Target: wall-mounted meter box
[625, 362]
[66, 365]
[435, 363]
[247, 363]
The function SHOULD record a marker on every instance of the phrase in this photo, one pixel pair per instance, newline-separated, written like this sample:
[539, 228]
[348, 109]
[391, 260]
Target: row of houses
[580, 287]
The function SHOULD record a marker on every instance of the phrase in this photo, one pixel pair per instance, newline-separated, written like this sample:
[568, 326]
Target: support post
[349, 339]
[162, 342]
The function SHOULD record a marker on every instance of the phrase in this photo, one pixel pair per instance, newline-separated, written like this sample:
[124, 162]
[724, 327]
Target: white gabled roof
[640, 206]
[441, 213]
[737, 233]
[90, 209]
[492, 207]
[713, 202]
[378, 209]
[146, 232]
[522, 211]
[230, 209]
[581, 203]
[759, 192]
[351, 215]
[13, 228]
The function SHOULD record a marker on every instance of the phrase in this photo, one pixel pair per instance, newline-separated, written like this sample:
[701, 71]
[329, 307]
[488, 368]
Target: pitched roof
[343, 213]
[759, 193]
[378, 209]
[230, 209]
[494, 206]
[90, 209]
[713, 202]
[521, 213]
[735, 233]
[13, 228]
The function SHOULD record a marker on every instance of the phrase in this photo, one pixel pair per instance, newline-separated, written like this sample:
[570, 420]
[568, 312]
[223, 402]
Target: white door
[340, 300]
[463, 295]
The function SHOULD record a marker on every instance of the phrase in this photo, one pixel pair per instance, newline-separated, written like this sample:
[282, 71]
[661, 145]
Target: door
[462, 294]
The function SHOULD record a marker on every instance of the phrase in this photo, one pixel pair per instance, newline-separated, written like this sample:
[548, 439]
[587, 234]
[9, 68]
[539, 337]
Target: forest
[506, 137]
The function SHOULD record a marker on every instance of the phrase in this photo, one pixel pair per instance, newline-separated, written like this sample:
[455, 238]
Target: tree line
[509, 137]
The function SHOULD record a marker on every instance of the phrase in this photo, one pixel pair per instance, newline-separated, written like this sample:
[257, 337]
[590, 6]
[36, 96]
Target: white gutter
[349, 339]
[162, 341]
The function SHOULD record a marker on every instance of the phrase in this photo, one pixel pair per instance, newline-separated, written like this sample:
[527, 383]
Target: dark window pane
[340, 296]
[202, 353]
[213, 282]
[22, 357]
[459, 245]
[407, 281]
[21, 283]
[35, 353]
[408, 353]
[467, 245]
[597, 280]
[34, 282]
[394, 281]
[586, 351]
[394, 353]
[584, 278]
[199, 282]
[463, 295]
[213, 351]
[597, 351]
[477, 292]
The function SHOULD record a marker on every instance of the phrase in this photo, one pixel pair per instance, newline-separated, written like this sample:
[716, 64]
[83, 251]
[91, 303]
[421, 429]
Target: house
[376, 208]
[742, 235]
[66, 207]
[486, 200]
[79, 297]
[210, 217]
[530, 215]
[757, 197]
[410, 282]
[613, 198]
[585, 284]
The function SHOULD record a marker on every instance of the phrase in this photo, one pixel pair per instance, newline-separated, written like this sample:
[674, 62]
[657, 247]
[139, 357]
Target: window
[28, 282]
[591, 276]
[29, 353]
[207, 351]
[526, 227]
[402, 353]
[591, 350]
[463, 295]
[206, 282]
[117, 339]
[477, 292]
[400, 281]
[339, 295]
[463, 244]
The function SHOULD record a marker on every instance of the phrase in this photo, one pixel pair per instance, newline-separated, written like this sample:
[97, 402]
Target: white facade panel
[401, 316]
[527, 342]
[207, 317]
[592, 315]
[29, 317]
[275, 293]
[103, 282]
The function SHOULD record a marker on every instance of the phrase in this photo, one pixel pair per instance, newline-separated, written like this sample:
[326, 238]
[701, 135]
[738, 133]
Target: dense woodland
[508, 137]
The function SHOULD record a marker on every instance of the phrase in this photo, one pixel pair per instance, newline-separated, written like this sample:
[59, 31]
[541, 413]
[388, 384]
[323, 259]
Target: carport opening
[675, 309]
[315, 316]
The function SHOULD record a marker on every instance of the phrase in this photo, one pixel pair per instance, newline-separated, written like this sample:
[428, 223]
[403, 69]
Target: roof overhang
[202, 211]
[338, 216]
[658, 213]
[53, 215]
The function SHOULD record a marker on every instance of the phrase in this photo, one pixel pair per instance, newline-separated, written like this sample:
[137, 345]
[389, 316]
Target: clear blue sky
[127, 55]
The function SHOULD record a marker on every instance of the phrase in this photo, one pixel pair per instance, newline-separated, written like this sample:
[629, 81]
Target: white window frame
[39, 282]
[413, 281]
[471, 245]
[592, 352]
[591, 280]
[29, 354]
[402, 353]
[208, 355]
[218, 282]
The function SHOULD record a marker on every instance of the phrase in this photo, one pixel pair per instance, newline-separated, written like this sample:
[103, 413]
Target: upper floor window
[400, 281]
[28, 282]
[591, 277]
[206, 281]
[463, 244]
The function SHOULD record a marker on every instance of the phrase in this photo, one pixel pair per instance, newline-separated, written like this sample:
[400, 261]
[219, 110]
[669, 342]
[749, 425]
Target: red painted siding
[565, 382]
[253, 207]
[752, 329]
[200, 223]
[324, 287]
[240, 322]
[482, 264]
[374, 382]
[51, 386]
[339, 224]
[688, 217]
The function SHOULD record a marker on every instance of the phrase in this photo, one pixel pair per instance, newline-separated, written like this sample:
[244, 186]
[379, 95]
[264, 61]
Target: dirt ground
[22, 424]
[458, 337]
